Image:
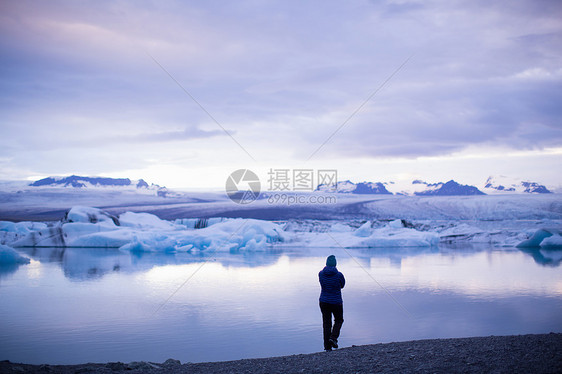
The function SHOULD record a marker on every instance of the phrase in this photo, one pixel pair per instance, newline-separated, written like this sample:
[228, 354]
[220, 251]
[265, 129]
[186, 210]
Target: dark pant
[329, 332]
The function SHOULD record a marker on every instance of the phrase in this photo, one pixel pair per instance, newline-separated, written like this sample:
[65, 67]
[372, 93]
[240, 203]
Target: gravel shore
[494, 354]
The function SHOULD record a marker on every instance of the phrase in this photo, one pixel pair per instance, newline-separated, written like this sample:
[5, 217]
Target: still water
[98, 305]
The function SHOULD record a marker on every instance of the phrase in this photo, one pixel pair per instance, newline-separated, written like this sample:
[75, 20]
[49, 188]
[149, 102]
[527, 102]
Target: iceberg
[235, 234]
[401, 238]
[364, 230]
[88, 227]
[393, 234]
[89, 215]
[20, 227]
[553, 241]
[549, 238]
[146, 221]
[9, 256]
[198, 223]
[143, 232]
[397, 224]
[11, 231]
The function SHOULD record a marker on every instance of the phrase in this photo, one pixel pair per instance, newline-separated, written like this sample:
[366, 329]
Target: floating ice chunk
[9, 256]
[67, 234]
[271, 231]
[382, 237]
[396, 224]
[21, 227]
[401, 238]
[339, 227]
[364, 231]
[184, 248]
[89, 215]
[137, 246]
[253, 245]
[236, 234]
[553, 241]
[465, 232]
[536, 239]
[48, 237]
[241, 234]
[145, 221]
[462, 230]
[11, 232]
[103, 239]
[199, 223]
[8, 226]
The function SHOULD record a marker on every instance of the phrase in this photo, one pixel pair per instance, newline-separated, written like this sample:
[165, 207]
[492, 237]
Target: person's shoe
[328, 349]
[334, 342]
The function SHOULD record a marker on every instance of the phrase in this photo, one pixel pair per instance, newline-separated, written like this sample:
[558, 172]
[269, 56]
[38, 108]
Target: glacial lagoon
[79, 305]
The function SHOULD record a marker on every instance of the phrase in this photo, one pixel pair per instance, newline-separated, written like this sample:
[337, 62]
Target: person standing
[331, 302]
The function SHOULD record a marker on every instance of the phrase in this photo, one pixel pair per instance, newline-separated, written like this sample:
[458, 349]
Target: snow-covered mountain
[417, 187]
[79, 182]
[363, 188]
[502, 184]
[76, 181]
[450, 188]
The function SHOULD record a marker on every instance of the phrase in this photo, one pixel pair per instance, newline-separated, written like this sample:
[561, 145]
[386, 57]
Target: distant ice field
[41, 204]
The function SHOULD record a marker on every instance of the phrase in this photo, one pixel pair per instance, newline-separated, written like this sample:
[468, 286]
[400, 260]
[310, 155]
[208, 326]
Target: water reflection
[395, 256]
[544, 257]
[7, 269]
[82, 304]
[94, 263]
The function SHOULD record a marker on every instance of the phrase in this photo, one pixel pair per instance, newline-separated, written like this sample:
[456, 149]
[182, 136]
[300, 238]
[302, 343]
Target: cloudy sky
[181, 93]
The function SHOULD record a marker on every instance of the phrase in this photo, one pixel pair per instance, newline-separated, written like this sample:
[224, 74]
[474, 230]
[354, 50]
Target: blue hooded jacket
[332, 281]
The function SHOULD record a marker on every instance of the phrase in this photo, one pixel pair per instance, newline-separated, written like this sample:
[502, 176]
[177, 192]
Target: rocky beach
[537, 353]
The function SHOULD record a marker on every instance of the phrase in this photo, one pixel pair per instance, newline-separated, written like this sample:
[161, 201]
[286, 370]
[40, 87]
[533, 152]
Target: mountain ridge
[505, 184]
[421, 188]
[77, 181]
[450, 188]
[493, 185]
